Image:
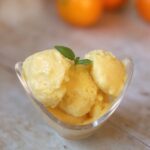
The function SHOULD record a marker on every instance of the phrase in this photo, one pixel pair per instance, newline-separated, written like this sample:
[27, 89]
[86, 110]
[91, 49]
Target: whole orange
[143, 7]
[80, 12]
[114, 4]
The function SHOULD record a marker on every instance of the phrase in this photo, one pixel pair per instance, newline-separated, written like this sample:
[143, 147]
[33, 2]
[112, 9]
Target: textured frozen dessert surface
[108, 72]
[75, 93]
[81, 92]
[46, 73]
[101, 105]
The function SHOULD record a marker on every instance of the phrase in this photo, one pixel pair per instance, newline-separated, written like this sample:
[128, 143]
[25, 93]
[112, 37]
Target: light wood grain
[22, 127]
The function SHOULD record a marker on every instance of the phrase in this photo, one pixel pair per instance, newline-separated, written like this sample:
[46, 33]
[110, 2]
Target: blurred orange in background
[143, 7]
[80, 12]
[85, 13]
[114, 4]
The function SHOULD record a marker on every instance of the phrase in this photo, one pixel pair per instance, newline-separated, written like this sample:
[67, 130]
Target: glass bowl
[76, 132]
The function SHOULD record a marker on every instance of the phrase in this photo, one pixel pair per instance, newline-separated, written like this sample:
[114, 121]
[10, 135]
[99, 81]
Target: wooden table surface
[22, 126]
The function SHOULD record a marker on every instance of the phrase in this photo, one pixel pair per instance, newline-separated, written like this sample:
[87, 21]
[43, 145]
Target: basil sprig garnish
[84, 61]
[65, 51]
[68, 53]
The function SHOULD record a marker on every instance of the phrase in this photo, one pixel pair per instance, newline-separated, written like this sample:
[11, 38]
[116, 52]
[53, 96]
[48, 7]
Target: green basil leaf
[84, 61]
[65, 51]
